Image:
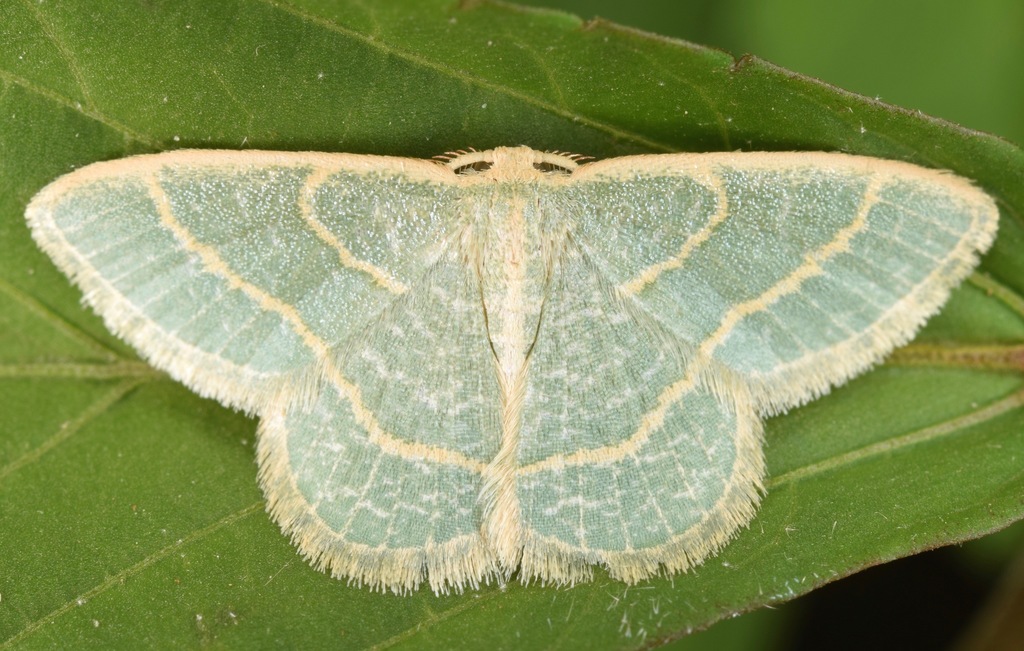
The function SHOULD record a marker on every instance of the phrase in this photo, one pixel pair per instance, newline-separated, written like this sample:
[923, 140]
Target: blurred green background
[956, 60]
[959, 61]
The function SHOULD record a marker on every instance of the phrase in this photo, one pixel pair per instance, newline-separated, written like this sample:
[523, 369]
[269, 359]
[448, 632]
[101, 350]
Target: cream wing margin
[968, 217]
[89, 201]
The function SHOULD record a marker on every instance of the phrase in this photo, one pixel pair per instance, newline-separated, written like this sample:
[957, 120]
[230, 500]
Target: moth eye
[473, 168]
[552, 168]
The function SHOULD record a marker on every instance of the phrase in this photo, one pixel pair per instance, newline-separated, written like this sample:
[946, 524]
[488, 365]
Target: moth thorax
[513, 277]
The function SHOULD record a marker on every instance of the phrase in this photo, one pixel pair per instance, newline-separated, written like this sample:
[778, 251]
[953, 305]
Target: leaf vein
[923, 435]
[119, 578]
[68, 429]
[474, 80]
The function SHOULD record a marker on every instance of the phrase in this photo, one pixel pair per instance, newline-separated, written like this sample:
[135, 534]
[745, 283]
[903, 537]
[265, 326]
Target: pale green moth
[508, 359]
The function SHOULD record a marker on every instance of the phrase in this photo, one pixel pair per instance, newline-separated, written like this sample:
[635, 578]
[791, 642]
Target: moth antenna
[571, 156]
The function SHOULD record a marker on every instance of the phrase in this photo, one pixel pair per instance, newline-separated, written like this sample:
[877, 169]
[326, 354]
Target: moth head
[511, 163]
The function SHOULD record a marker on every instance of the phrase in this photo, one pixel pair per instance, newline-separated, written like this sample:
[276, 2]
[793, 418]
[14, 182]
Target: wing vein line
[650, 422]
[654, 419]
[347, 258]
[790, 284]
[214, 264]
[651, 273]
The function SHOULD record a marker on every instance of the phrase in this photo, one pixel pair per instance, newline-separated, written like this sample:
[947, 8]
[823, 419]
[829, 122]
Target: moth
[511, 359]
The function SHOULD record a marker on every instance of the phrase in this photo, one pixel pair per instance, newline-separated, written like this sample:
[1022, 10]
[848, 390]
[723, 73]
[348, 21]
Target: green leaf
[129, 510]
